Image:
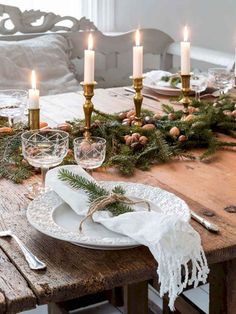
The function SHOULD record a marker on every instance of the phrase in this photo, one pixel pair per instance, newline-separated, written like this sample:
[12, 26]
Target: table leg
[136, 298]
[222, 280]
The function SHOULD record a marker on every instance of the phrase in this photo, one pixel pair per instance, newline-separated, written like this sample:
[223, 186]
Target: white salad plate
[50, 215]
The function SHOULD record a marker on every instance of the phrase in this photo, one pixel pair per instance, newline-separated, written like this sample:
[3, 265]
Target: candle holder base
[88, 106]
[186, 101]
[34, 119]
[138, 99]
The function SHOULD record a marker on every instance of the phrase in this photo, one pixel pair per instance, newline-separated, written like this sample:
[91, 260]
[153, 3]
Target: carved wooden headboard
[116, 50]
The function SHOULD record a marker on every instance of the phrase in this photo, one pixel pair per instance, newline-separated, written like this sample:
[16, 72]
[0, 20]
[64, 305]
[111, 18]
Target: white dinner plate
[163, 90]
[50, 215]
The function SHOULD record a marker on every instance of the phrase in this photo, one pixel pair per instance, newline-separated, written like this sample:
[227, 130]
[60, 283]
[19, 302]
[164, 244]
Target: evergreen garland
[207, 119]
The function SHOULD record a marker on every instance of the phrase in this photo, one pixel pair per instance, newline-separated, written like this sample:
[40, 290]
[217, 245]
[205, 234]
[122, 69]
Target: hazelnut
[137, 135]
[148, 127]
[129, 140]
[132, 118]
[189, 118]
[126, 121]
[143, 140]
[171, 116]
[192, 109]
[130, 113]
[174, 132]
[43, 125]
[6, 130]
[64, 127]
[234, 113]
[182, 138]
[122, 115]
[157, 116]
[85, 146]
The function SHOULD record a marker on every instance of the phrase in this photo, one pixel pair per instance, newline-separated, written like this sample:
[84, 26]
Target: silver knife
[205, 223]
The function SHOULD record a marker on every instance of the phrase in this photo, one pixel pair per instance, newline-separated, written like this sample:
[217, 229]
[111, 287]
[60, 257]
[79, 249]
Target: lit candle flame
[90, 42]
[185, 33]
[137, 37]
[33, 79]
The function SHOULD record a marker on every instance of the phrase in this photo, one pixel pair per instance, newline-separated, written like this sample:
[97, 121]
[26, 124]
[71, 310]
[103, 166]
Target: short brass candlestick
[88, 106]
[138, 99]
[186, 101]
[34, 119]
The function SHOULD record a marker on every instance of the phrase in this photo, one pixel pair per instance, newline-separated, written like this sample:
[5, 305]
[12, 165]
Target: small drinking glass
[12, 104]
[221, 78]
[90, 153]
[44, 149]
[198, 84]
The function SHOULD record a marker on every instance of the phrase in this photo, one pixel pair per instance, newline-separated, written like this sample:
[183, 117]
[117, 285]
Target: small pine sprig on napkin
[94, 191]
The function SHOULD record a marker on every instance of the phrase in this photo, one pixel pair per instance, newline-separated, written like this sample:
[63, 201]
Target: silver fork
[33, 261]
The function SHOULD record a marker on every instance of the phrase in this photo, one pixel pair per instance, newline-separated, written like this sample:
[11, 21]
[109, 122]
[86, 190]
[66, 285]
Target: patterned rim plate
[50, 215]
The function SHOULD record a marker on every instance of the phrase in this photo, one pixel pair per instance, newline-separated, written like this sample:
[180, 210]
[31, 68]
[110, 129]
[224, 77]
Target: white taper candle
[185, 53]
[89, 58]
[137, 57]
[33, 93]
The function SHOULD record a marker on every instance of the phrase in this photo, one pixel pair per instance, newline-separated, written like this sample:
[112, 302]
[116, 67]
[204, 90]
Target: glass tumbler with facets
[44, 149]
[90, 153]
[12, 104]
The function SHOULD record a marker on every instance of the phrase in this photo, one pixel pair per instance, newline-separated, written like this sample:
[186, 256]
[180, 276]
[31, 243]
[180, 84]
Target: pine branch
[94, 190]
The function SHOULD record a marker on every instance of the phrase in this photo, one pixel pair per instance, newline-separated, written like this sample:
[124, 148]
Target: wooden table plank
[15, 295]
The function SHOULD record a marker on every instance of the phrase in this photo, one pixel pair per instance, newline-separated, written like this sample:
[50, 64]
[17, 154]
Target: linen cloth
[171, 240]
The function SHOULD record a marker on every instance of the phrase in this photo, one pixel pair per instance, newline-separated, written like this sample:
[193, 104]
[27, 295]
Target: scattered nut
[171, 116]
[123, 115]
[182, 138]
[43, 125]
[157, 116]
[143, 140]
[189, 118]
[64, 127]
[148, 127]
[6, 130]
[130, 113]
[174, 132]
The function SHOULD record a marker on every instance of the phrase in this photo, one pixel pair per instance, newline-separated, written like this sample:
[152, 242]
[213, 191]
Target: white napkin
[172, 241]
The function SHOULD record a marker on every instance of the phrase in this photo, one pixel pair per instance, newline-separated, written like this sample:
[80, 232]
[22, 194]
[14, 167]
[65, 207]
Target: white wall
[212, 22]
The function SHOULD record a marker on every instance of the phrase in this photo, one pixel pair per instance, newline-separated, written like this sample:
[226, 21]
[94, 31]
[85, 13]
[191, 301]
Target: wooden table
[73, 271]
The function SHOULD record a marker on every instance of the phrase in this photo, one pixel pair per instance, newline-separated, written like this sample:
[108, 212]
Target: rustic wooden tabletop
[75, 271]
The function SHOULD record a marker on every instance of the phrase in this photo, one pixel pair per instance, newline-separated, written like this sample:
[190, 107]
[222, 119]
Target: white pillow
[47, 54]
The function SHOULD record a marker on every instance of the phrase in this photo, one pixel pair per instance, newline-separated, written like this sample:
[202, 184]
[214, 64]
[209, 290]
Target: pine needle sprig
[94, 191]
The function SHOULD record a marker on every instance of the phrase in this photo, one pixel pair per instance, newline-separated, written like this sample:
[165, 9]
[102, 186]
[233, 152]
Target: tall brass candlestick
[186, 101]
[34, 119]
[88, 106]
[138, 99]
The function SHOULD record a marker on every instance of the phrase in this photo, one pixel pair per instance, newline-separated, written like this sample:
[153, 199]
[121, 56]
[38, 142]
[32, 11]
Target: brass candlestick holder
[88, 106]
[34, 119]
[138, 99]
[186, 101]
